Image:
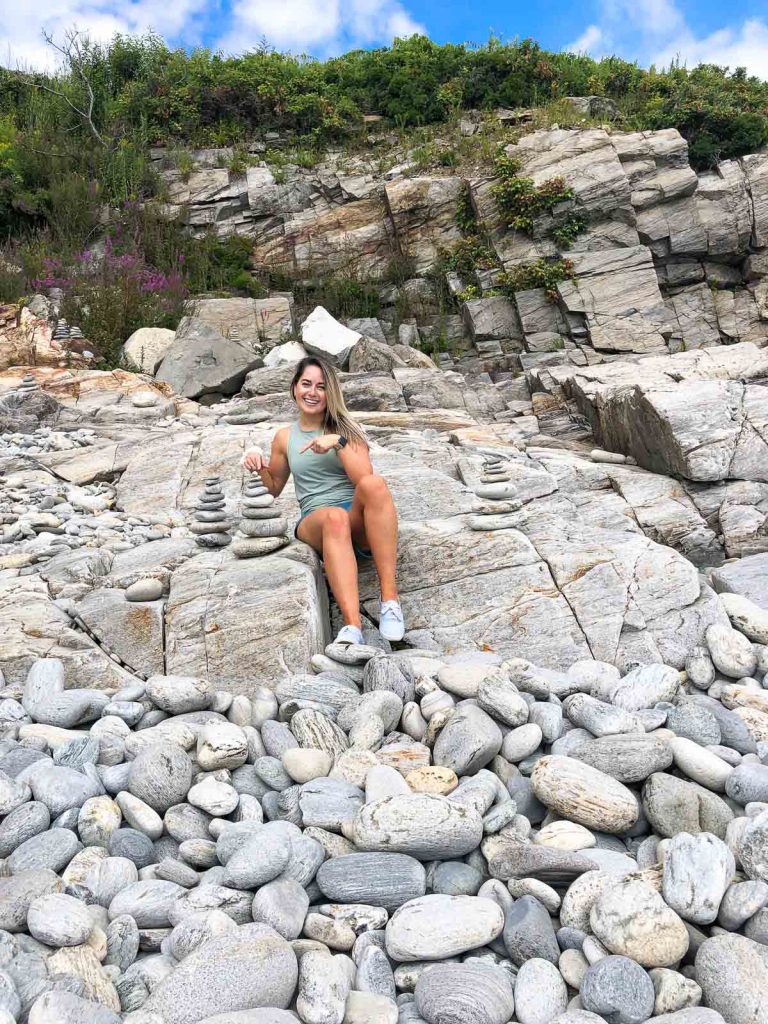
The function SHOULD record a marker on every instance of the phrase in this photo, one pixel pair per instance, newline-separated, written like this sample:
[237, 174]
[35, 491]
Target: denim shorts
[346, 505]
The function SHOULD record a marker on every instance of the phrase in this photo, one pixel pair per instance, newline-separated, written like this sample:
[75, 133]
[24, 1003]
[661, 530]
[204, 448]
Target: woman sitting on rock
[346, 508]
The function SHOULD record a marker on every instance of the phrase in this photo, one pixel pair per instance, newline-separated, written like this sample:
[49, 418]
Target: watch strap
[341, 442]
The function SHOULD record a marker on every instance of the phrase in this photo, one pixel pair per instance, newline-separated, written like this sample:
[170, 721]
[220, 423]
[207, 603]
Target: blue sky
[643, 30]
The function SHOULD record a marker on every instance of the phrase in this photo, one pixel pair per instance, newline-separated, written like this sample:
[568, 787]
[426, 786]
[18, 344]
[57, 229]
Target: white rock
[436, 927]
[288, 352]
[324, 336]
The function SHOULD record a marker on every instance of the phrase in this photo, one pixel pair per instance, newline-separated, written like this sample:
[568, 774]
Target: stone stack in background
[211, 526]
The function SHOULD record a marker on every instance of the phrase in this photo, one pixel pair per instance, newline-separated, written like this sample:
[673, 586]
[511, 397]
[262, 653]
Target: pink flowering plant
[112, 291]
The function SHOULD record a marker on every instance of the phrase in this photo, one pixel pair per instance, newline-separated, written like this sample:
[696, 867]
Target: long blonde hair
[337, 416]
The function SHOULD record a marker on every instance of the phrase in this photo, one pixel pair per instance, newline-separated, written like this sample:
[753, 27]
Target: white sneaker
[391, 625]
[349, 635]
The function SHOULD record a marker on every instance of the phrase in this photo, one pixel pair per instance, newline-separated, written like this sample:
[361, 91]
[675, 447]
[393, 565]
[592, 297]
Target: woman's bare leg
[374, 525]
[329, 532]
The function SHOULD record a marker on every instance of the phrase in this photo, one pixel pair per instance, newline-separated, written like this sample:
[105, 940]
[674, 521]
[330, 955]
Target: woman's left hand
[323, 444]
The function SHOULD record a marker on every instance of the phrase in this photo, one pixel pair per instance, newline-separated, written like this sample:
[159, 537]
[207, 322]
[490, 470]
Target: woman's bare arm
[274, 472]
[353, 456]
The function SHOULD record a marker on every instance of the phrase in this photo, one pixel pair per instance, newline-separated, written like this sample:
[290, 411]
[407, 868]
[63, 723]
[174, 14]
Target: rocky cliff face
[550, 800]
[668, 260]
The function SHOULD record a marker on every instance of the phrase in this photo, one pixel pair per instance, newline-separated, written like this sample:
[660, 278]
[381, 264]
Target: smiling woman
[347, 510]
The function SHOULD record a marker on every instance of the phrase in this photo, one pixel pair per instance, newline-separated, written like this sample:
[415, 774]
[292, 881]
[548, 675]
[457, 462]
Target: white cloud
[322, 27]
[311, 25]
[22, 25]
[655, 31]
[590, 41]
[744, 46]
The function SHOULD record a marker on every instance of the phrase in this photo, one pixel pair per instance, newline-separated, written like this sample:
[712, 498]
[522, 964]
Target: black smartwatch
[341, 443]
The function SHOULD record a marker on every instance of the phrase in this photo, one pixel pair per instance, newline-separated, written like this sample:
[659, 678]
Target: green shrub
[520, 200]
[565, 234]
[541, 273]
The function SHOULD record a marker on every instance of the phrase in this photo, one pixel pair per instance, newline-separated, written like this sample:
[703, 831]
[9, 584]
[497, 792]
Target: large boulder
[324, 336]
[146, 347]
[202, 361]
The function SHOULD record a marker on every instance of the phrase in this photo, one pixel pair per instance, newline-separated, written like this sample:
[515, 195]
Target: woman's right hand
[254, 460]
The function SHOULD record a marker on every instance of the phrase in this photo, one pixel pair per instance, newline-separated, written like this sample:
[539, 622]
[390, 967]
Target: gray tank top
[319, 480]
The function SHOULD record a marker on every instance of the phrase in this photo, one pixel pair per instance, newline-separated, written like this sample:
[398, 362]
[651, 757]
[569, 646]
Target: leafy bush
[520, 199]
[541, 273]
[565, 234]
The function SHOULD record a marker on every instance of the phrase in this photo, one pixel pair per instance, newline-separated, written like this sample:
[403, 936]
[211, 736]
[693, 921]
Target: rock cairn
[61, 330]
[75, 334]
[400, 837]
[211, 526]
[496, 494]
[262, 529]
[28, 385]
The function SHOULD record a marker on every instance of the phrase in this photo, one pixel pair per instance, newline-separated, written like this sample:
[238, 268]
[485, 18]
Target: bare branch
[73, 55]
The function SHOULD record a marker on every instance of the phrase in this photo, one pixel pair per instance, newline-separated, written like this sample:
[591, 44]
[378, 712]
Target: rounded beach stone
[540, 992]
[469, 740]
[521, 742]
[433, 779]
[144, 590]
[740, 902]
[283, 904]
[19, 891]
[178, 695]
[697, 871]
[673, 805]
[147, 902]
[53, 849]
[619, 990]
[379, 879]
[700, 765]
[631, 919]
[583, 794]
[422, 825]
[61, 1007]
[694, 722]
[213, 797]
[701, 671]
[140, 815]
[753, 848]
[748, 783]
[437, 927]
[221, 745]
[733, 974]
[323, 988]
[303, 765]
[499, 697]
[645, 686]
[249, 968]
[673, 991]
[24, 822]
[475, 993]
[565, 835]
[259, 860]
[627, 758]
[161, 776]
[730, 650]
[529, 932]
[59, 920]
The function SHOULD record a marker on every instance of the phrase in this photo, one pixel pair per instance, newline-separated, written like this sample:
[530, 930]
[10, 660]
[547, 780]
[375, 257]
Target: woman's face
[310, 391]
